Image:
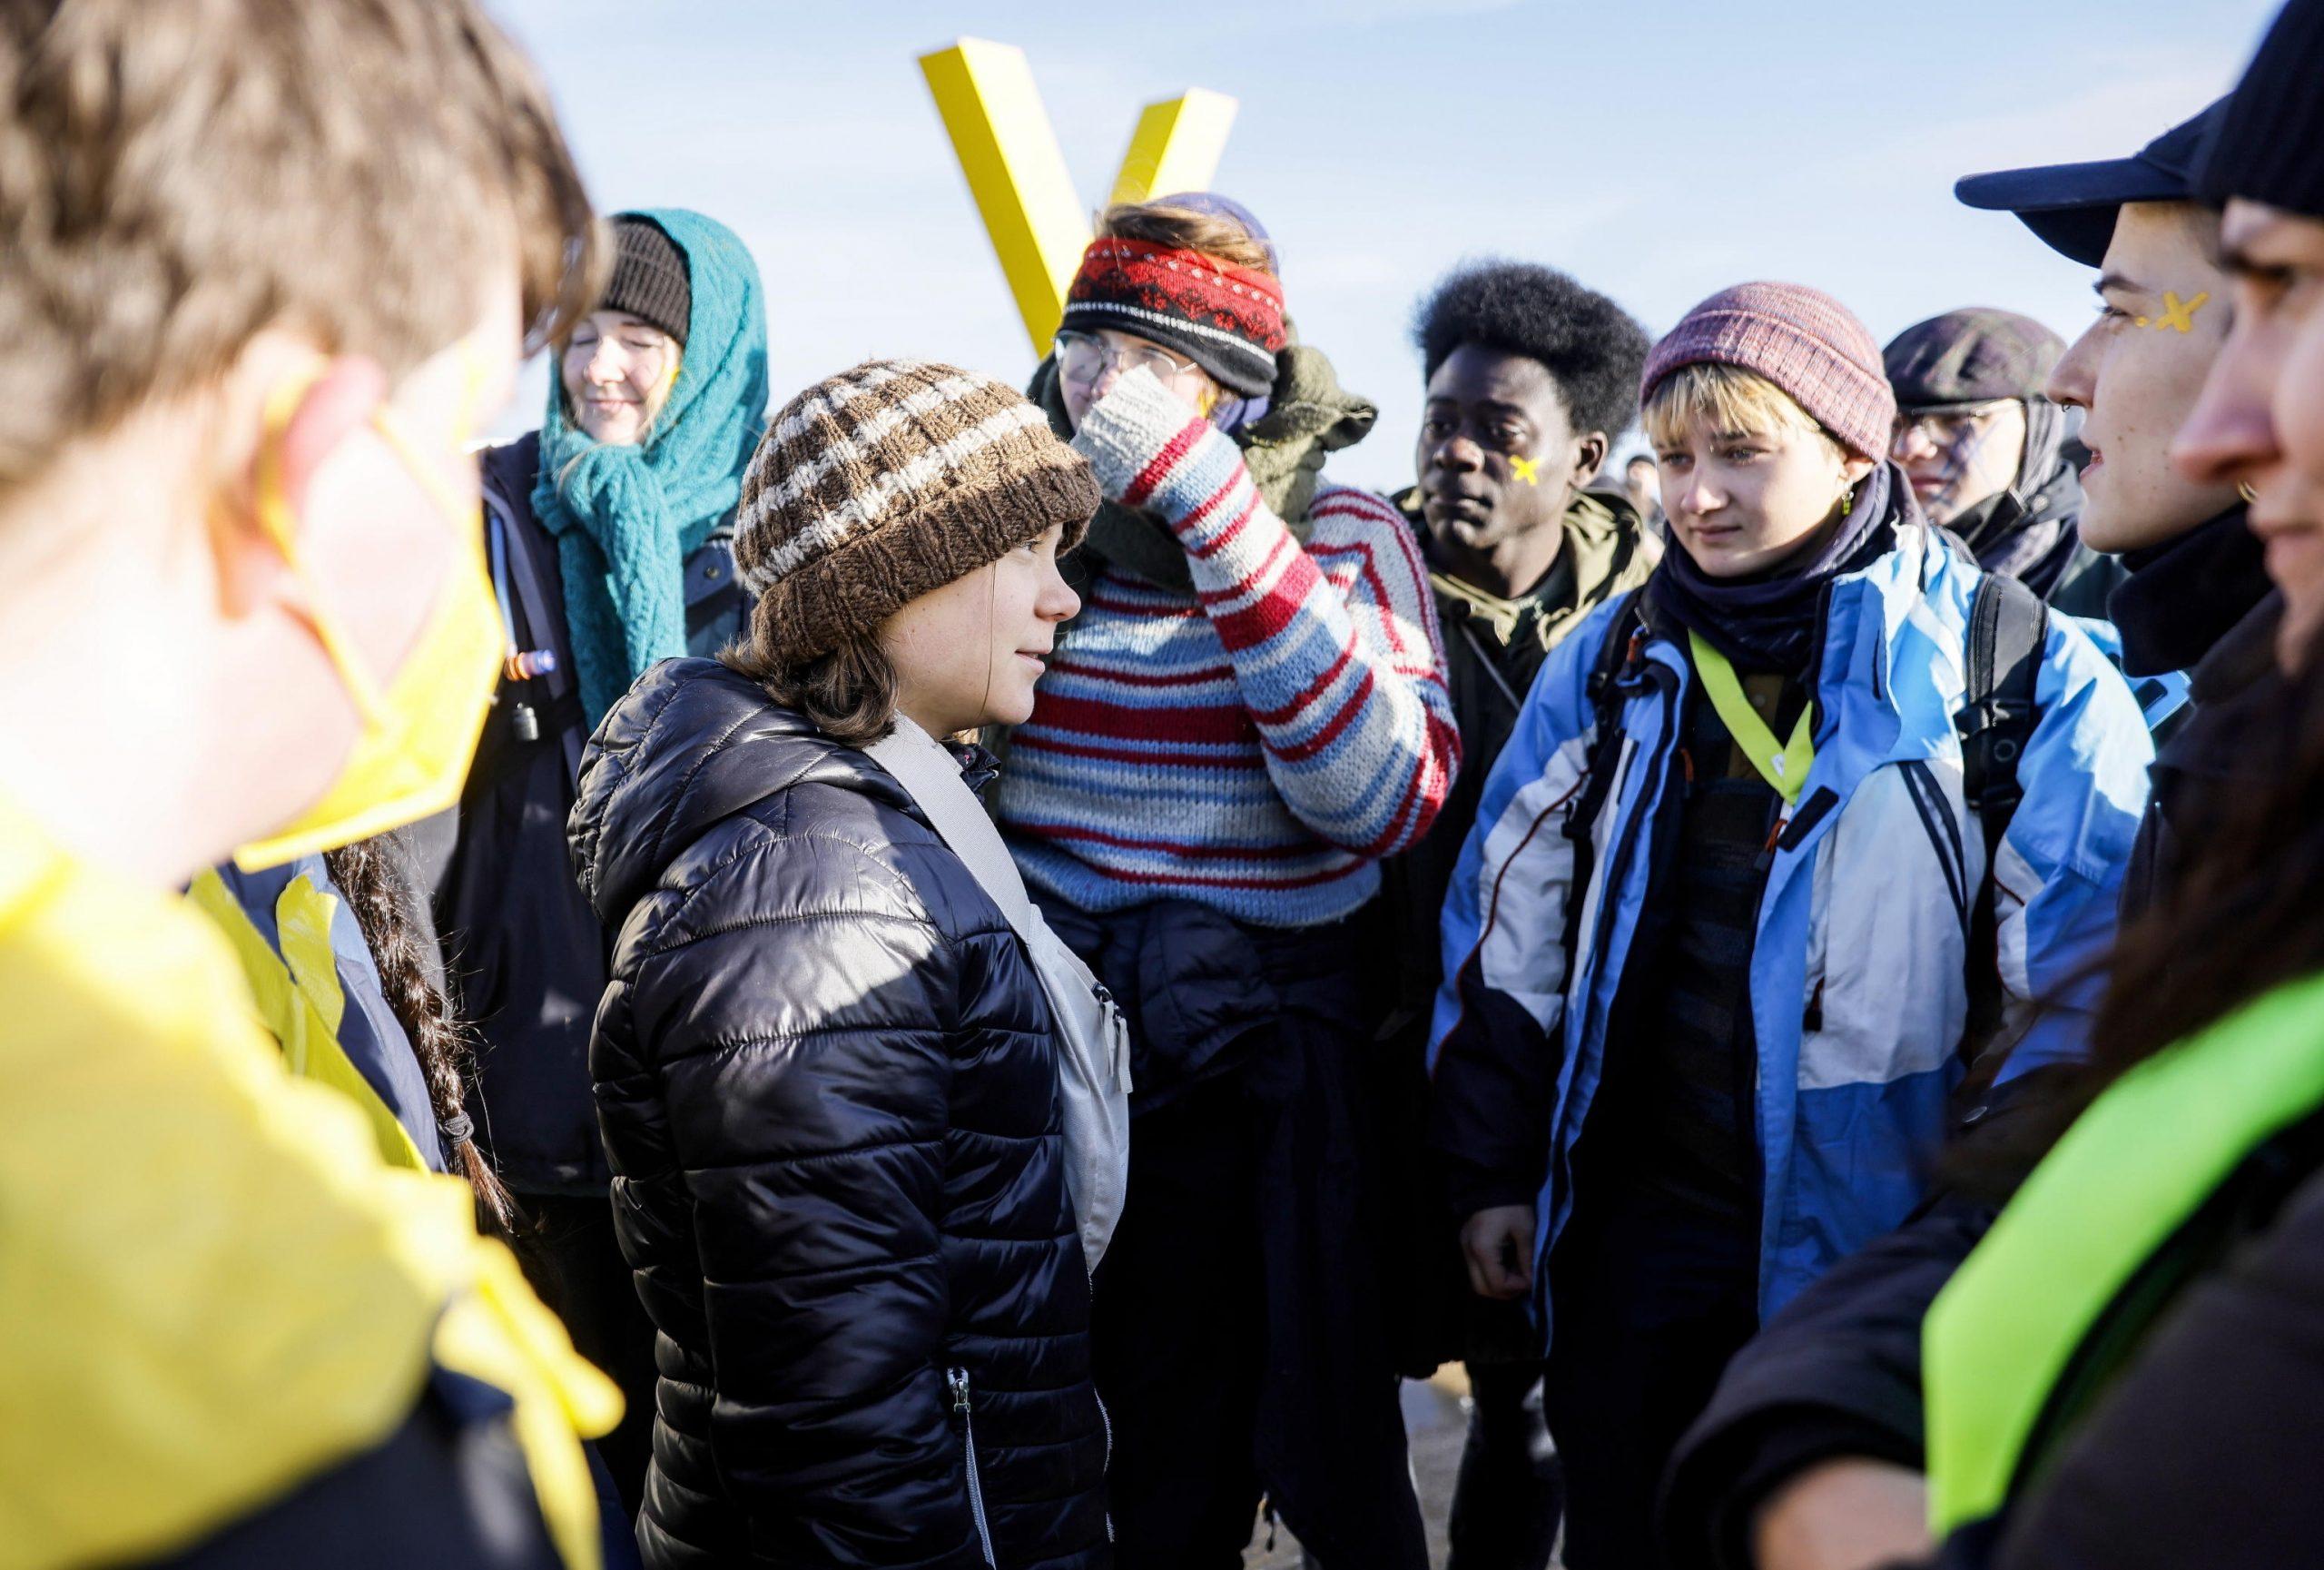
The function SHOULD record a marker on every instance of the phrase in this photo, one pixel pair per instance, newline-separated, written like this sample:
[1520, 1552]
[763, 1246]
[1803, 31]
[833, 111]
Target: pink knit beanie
[1803, 341]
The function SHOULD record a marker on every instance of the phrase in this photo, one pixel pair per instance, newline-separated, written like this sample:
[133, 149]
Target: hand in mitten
[1150, 451]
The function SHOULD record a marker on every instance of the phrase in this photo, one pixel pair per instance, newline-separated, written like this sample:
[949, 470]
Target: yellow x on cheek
[2176, 315]
[1528, 469]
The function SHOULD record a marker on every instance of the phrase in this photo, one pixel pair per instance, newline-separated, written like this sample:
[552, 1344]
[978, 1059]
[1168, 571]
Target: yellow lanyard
[1784, 766]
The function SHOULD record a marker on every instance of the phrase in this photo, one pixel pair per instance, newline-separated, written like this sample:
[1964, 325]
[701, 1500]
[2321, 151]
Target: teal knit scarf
[626, 519]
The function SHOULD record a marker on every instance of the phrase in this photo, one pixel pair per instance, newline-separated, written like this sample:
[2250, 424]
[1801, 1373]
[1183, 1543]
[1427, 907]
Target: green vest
[2128, 1174]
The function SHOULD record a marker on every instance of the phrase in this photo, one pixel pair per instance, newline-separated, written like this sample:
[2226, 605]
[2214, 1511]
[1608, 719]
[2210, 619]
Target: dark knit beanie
[1800, 339]
[887, 482]
[649, 280]
[1971, 357]
[2267, 145]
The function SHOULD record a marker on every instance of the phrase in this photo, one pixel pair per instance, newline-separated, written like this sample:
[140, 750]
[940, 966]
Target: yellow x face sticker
[1017, 174]
[2176, 316]
[1528, 469]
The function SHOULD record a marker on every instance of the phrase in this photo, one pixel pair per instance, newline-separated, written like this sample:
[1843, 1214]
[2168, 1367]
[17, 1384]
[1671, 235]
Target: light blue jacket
[1858, 978]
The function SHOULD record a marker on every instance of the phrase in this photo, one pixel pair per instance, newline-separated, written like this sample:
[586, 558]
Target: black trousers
[1180, 1336]
[1649, 1302]
[1238, 1330]
[1510, 1492]
[572, 1259]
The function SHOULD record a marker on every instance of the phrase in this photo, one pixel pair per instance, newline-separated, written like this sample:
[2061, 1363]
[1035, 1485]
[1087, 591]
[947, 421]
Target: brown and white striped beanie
[887, 482]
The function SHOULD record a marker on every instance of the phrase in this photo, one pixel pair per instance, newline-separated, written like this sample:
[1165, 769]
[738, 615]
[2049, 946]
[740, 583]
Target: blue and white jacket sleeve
[2058, 874]
[1498, 1039]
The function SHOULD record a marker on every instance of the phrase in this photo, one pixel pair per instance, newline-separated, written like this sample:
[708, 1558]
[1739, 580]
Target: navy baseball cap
[2073, 206]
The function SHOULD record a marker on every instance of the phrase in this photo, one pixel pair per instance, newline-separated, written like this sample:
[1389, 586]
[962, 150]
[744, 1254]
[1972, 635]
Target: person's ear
[1852, 469]
[1590, 457]
[277, 439]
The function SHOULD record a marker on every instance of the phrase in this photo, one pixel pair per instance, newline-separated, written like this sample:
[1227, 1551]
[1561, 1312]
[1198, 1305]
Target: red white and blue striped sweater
[1257, 747]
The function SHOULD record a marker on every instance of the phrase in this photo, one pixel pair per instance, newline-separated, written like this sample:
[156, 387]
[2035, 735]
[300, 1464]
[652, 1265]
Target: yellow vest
[211, 1289]
[2005, 1334]
[300, 1001]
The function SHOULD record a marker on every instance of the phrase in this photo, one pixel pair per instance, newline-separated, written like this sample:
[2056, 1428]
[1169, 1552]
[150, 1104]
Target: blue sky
[1657, 149]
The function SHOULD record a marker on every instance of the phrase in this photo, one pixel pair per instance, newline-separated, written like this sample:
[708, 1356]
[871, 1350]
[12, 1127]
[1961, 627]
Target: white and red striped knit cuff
[1149, 451]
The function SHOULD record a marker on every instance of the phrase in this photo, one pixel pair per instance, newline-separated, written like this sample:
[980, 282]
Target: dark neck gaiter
[2186, 594]
[1769, 620]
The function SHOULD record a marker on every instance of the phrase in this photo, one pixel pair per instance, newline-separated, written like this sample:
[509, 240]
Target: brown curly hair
[1183, 229]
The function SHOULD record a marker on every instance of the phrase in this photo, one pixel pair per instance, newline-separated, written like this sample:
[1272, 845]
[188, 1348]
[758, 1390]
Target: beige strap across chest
[1092, 1038]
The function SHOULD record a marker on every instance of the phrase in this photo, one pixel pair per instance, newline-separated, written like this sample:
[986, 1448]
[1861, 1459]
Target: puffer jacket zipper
[1107, 1419]
[957, 1380]
[1104, 1417]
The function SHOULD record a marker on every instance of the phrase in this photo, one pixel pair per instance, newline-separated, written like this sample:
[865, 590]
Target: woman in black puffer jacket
[824, 1064]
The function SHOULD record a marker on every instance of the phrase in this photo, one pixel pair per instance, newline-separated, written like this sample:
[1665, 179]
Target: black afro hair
[1593, 348]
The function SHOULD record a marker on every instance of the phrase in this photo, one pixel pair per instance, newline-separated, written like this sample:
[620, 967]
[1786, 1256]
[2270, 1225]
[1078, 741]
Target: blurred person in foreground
[246, 616]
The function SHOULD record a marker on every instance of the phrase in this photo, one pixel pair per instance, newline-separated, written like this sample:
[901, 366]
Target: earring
[2244, 489]
[1848, 502]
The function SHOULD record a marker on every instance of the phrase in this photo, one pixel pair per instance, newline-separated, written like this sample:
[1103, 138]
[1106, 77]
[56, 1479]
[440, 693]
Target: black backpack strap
[2008, 626]
[1623, 639]
[1614, 657]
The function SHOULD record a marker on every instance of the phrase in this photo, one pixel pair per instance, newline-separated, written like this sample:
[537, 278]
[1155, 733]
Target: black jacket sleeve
[2205, 1450]
[1836, 1373]
[1491, 1094]
[802, 1062]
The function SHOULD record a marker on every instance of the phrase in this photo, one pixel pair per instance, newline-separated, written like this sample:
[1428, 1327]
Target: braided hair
[375, 877]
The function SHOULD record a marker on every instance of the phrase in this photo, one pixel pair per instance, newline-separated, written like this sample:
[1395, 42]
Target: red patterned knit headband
[1227, 320]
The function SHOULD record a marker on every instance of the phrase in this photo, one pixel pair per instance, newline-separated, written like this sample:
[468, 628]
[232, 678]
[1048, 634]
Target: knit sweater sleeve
[1334, 645]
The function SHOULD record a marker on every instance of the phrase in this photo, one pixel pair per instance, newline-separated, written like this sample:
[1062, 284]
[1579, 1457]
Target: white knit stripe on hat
[865, 510]
[814, 407]
[836, 395]
[800, 479]
[1231, 341]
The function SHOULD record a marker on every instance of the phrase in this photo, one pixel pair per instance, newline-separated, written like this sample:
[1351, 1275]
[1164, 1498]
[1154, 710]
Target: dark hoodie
[2203, 603]
[2031, 531]
[826, 1075]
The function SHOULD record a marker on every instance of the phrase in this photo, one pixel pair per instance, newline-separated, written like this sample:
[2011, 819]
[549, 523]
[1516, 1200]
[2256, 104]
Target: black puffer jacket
[826, 1078]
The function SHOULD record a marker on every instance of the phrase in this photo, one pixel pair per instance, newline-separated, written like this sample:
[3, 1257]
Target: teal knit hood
[626, 519]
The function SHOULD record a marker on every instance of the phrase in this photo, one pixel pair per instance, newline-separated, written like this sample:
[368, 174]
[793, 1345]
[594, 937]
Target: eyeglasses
[1082, 360]
[1947, 428]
